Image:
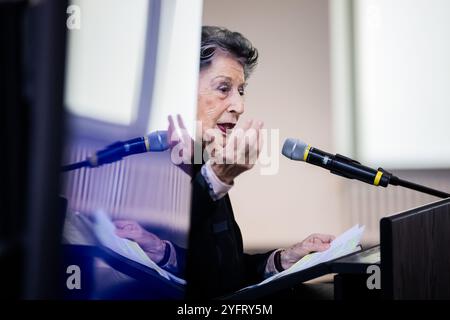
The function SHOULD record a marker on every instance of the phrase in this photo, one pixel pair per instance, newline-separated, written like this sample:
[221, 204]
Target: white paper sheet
[105, 232]
[345, 244]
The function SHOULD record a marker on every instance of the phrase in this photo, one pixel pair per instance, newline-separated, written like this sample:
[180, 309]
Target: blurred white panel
[105, 58]
[341, 75]
[402, 82]
[177, 63]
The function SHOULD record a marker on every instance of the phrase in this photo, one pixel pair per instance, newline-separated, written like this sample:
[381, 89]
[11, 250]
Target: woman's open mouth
[224, 127]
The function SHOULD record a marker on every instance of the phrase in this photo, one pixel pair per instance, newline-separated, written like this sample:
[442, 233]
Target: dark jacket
[216, 262]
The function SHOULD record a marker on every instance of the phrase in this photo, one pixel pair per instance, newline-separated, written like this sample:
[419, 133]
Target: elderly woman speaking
[216, 262]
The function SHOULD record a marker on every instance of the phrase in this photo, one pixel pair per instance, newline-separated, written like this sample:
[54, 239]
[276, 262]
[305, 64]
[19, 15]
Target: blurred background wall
[316, 81]
[290, 91]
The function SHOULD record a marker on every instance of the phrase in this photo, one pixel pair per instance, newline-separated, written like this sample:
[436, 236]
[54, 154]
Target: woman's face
[221, 94]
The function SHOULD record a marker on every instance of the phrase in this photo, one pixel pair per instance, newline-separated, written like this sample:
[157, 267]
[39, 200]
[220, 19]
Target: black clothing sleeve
[216, 263]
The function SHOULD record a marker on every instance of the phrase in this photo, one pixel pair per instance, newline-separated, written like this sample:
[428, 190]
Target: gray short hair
[234, 43]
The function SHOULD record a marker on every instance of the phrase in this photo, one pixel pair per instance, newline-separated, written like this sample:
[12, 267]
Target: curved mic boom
[154, 142]
[338, 164]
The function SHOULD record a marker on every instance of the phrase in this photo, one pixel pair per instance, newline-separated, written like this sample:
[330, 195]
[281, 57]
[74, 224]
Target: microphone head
[294, 149]
[158, 141]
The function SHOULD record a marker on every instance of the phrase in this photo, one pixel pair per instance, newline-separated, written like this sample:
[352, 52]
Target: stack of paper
[105, 232]
[345, 244]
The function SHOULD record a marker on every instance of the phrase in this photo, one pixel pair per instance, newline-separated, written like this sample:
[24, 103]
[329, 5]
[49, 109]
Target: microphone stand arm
[396, 181]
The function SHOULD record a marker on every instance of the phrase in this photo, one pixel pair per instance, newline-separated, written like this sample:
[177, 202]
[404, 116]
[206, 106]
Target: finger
[243, 125]
[123, 223]
[254, 140]
[256, 124]
[171, 123]
[172, 132]
[125, 234]
[247, 124]
[171, 128]
[320, 246]
[180, 122]
[215, 150]
[253, 130]
[231, 153]
[242, 151]
[260, 138]
[184, 131]
[311, 247]
[240, 130]
[251, 139]
[327, 238]
[209, 138]
[213, 141]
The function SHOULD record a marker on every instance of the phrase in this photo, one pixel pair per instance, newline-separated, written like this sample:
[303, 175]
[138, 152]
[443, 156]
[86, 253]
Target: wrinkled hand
[313, 243]
[239, 153]
[153, 246]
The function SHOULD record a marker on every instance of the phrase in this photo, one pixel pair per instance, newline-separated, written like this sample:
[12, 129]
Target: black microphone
[343, 166]
[338, 164]
[154, 142]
